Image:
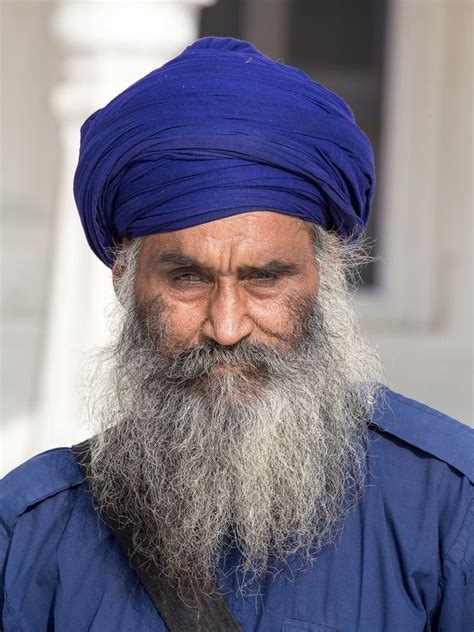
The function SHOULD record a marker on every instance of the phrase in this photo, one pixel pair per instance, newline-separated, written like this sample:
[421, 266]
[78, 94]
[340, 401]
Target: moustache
[246, 359]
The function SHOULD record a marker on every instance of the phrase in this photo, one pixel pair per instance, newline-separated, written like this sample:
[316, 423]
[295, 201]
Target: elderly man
[249, 472]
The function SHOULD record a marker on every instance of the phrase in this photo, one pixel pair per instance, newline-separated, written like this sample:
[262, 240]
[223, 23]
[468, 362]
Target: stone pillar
[107, 46]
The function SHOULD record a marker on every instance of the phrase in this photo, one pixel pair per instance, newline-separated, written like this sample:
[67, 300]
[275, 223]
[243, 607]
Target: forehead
[250, 236]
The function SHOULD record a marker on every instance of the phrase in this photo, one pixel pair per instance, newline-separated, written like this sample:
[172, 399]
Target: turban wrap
[220, 130]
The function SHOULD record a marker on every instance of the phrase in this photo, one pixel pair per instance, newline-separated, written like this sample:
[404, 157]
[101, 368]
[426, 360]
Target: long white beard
[268, 456]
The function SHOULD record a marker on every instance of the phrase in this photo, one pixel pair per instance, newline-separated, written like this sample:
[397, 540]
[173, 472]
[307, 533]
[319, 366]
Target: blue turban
[220, 130]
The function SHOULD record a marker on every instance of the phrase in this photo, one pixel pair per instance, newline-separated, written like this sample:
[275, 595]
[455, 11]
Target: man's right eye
[188, 277]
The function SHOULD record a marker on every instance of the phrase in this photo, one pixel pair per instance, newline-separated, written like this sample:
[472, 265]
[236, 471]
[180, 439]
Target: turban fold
[220, 130]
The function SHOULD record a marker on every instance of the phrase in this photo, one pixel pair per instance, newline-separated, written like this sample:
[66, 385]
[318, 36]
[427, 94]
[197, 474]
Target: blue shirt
[403, 561]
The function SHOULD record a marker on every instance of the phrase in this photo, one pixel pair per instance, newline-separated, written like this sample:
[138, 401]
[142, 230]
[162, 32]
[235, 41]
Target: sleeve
[8, 622]
[4, 544]
[455, 612]
[3, 557]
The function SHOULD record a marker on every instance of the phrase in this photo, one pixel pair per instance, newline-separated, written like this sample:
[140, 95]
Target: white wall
[30, 163]
[422, 319]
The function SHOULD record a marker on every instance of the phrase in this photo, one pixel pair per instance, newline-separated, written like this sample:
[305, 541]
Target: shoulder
[41, 477]
[51, 543]
[421, 465]
[427, 430]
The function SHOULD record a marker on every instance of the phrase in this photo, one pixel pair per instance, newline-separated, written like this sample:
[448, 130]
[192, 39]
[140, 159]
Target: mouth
[232, 368]
[243, 376]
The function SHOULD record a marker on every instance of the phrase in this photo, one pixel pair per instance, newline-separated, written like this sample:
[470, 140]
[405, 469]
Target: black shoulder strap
[210, 614]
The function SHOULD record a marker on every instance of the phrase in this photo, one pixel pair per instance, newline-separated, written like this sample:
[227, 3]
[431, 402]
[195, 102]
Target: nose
[228, 321]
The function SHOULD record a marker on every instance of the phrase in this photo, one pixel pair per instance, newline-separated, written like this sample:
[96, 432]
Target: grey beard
[268, 457]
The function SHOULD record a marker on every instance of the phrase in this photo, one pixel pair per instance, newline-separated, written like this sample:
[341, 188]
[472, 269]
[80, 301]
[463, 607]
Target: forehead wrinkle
[252, 240]
[176, 257]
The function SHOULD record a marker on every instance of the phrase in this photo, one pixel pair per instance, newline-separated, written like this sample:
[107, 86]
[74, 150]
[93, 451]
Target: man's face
[228, 280]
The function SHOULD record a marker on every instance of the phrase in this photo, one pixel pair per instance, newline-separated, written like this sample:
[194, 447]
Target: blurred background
[405, 68]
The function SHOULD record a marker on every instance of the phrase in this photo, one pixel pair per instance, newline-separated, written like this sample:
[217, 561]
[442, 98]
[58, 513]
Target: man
[246, 448]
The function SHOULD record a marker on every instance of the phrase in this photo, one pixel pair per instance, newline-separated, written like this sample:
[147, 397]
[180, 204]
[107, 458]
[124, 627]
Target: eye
[189, 278]
[264, 277]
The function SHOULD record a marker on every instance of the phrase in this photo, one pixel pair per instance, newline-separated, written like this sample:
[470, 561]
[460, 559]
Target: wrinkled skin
[243, 275]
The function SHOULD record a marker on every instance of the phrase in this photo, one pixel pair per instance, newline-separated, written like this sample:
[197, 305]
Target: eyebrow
[275, 266]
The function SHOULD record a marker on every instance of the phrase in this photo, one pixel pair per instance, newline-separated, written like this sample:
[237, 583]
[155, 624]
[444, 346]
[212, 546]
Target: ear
[119, 265]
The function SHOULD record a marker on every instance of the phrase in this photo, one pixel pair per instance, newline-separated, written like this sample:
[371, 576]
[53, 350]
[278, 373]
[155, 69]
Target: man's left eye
[264, 276]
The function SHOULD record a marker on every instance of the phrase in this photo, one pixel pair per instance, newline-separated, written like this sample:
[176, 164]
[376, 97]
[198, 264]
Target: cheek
[272, 311]
[311, 285]
[273, 317]
[180, 320]
[183, 321]
[283, 316]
